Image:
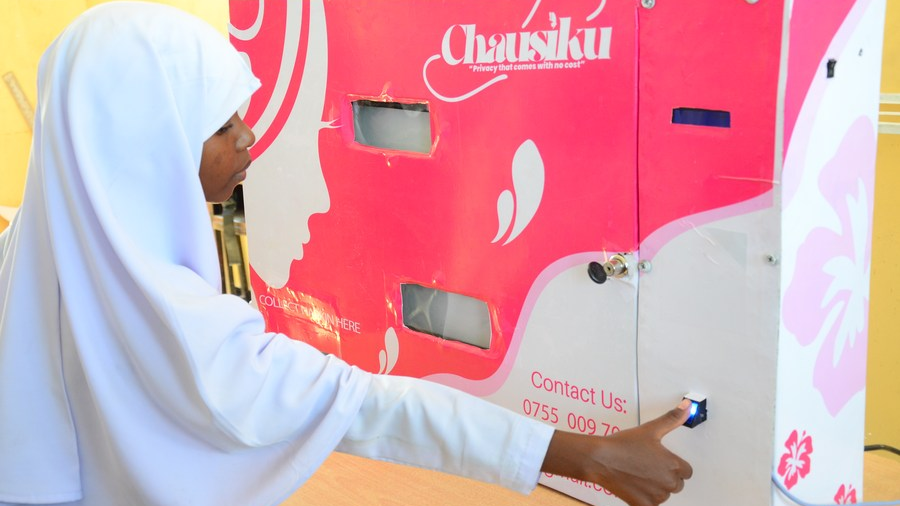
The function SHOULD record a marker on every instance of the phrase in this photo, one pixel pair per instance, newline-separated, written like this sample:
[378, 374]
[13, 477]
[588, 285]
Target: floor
[882, 477]
[365, 482]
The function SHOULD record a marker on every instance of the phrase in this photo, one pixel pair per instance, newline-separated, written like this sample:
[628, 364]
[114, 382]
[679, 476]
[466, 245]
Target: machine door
[709, 226]
[438, 187]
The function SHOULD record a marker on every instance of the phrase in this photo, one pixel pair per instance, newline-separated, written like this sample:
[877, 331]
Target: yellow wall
[883, 385]
[27, 27]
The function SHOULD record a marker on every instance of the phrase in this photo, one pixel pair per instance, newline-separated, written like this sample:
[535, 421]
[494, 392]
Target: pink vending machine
[583, 211]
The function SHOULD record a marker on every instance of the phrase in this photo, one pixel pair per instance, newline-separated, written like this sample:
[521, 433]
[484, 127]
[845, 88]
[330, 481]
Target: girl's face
[225, 159]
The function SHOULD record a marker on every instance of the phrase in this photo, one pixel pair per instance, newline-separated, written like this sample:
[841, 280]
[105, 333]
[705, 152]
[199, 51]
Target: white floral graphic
[523, 200]
[387, 358]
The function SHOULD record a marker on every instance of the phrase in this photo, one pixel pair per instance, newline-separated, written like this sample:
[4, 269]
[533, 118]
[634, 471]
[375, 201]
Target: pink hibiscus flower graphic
[827, 300]
[795, 463]
[845, 495]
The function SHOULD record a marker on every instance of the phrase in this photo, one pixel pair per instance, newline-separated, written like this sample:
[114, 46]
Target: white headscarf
[116, 349]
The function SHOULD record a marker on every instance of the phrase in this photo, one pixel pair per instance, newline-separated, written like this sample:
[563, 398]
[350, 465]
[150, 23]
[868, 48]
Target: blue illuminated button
[698, 410]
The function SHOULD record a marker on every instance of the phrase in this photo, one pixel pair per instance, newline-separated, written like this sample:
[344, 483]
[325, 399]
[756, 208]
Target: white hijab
[109, 283]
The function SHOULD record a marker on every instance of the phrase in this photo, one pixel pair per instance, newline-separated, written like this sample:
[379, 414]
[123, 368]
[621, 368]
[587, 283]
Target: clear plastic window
[446, 315]
[392, 125]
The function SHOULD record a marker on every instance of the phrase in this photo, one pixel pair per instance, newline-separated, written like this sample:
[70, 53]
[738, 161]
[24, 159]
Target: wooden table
[345, 480]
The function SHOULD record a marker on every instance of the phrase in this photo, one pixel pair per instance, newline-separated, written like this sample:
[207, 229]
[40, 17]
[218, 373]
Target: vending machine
[583, 211]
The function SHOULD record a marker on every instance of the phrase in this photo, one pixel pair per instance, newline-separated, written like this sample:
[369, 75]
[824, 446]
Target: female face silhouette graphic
[489, 203]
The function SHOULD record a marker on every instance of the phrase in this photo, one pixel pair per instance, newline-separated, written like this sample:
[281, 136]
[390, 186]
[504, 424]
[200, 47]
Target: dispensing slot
[392, 125]
[446, 315]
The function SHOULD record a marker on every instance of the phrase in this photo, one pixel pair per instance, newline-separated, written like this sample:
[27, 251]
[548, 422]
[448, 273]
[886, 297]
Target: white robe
[125, 376]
